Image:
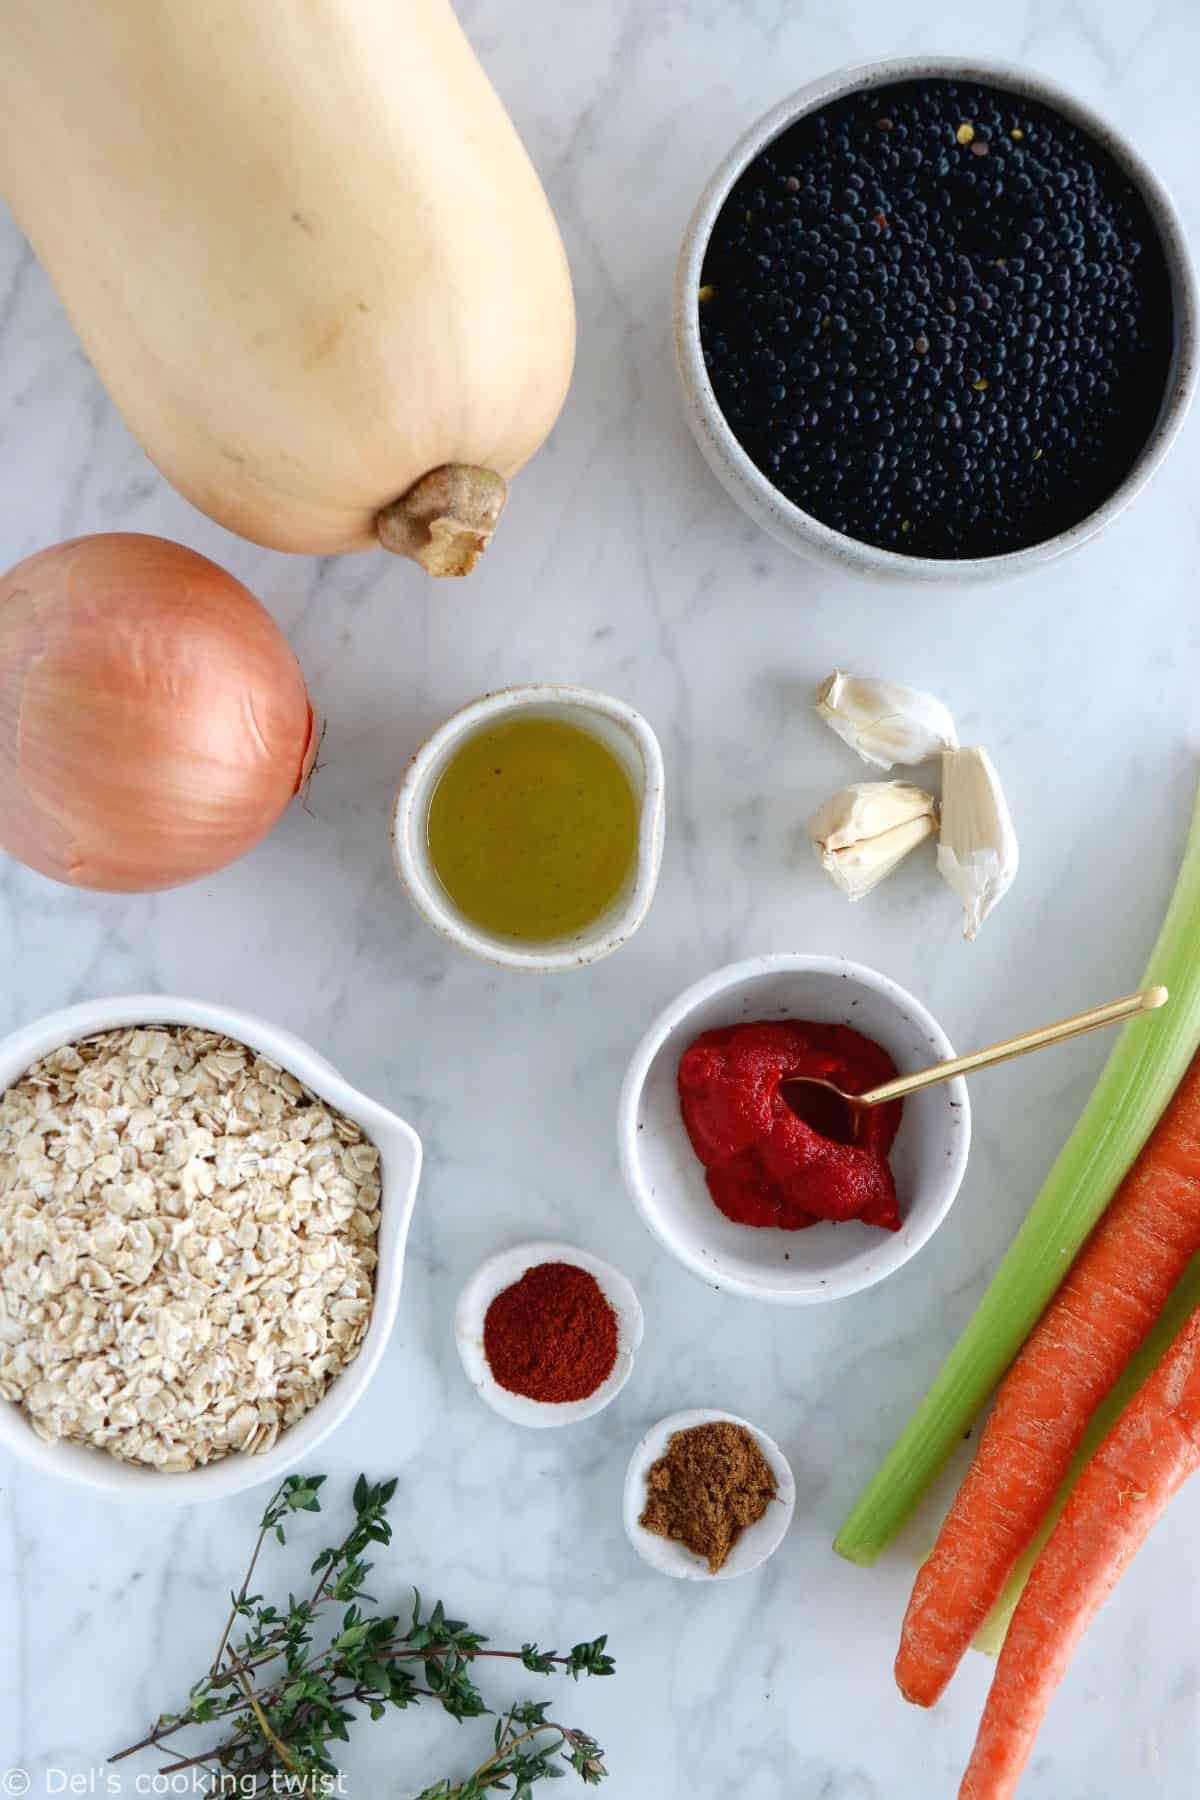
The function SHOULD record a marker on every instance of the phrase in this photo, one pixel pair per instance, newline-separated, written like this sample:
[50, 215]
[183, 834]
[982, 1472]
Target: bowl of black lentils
[934, 319]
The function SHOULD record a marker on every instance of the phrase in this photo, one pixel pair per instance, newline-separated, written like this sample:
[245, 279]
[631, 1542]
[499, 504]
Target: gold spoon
[830, 1106]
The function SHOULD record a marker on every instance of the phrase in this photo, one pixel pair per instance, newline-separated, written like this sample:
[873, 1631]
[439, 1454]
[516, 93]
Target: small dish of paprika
[547, 1333]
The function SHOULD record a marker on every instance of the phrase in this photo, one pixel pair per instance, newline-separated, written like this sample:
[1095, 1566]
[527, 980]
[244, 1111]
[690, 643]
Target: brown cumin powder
[712, 1483]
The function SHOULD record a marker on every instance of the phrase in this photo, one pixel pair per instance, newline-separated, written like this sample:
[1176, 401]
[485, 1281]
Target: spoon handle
[1075, 1026]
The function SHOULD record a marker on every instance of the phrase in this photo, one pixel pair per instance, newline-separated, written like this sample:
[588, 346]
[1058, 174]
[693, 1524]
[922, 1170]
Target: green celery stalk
[1140, 1076]
[1184, 1300]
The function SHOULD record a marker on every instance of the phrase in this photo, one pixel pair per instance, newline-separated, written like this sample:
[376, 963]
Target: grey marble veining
[622, 565]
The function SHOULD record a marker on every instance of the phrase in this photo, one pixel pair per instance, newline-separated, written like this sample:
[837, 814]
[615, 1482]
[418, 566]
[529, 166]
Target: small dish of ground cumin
[707, 1496]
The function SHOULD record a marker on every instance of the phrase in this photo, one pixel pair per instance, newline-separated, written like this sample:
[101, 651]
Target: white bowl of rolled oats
[202, 1233]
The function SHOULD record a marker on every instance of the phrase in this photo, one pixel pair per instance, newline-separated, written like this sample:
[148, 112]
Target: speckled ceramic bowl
[631, 740]
[746, 483]
[665, 1178]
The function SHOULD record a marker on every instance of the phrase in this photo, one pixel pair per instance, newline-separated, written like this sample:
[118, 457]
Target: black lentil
[939, 320]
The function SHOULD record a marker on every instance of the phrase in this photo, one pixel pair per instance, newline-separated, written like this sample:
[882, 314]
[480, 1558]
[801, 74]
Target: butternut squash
[306, 252]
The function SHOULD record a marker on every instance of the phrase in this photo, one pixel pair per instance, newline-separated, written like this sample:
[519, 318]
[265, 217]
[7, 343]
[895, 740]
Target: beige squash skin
[300, 240]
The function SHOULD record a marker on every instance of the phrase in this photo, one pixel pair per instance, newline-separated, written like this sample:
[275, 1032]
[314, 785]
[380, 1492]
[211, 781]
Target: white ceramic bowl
[754, 1545]
[625, 733]
[745, 482]
[666, 1180]
[400, 1151]
[501, 1272]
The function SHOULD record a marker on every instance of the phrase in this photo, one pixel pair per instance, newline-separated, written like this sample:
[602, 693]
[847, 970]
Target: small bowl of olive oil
[529, 827]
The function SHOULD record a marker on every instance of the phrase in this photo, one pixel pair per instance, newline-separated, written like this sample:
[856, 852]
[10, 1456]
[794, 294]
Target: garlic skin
[884, 722]
[865, 831]
[978, 855]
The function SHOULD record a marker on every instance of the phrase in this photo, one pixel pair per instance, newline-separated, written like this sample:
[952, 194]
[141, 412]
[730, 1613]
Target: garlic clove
[863, 832]
[884, 722]
[978, 854]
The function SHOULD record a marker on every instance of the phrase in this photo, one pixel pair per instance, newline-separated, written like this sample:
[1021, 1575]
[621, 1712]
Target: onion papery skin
[154, 721]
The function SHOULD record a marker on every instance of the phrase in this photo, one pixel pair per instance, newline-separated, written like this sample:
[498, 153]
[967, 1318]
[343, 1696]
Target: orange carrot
[1144, 1460]
[1109, 1301]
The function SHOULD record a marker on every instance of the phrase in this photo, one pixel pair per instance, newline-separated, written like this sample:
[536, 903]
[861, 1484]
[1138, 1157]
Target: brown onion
[153, 719]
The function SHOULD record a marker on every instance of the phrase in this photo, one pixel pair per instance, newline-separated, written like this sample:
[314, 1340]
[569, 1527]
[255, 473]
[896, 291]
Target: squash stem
[446, 519]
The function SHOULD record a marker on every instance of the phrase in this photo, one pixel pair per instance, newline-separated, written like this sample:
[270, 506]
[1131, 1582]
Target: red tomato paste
[766, 1166]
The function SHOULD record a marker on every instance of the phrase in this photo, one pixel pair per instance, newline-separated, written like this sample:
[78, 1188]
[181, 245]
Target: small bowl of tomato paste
[750, 1196]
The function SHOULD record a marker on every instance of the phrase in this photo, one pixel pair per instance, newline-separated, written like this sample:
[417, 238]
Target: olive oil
[533, 828]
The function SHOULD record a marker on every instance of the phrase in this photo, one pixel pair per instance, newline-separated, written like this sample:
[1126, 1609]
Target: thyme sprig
[287, 1683]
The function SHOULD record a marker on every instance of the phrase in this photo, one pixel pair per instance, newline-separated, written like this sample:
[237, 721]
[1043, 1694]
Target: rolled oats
[187, 1246]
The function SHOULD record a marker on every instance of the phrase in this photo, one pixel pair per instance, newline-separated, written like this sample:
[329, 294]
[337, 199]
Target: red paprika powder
[551, 1336]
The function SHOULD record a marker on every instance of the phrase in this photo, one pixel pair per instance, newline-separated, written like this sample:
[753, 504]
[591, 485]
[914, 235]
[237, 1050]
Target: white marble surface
[622, 565]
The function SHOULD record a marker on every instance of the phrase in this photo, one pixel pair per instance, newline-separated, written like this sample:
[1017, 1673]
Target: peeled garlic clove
[978, 853]
[884, 722]
[861, 834]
